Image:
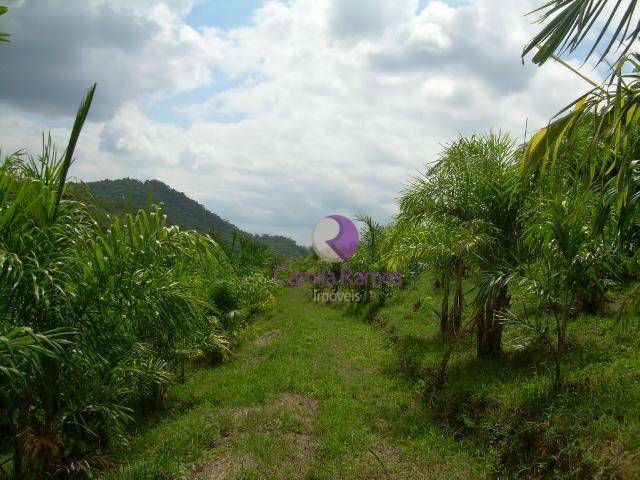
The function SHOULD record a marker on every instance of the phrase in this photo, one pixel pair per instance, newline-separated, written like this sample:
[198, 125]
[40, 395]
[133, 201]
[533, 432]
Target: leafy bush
[96, 321]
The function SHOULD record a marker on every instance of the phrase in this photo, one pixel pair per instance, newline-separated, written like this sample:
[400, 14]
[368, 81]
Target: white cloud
[59, 48]
[334, 104]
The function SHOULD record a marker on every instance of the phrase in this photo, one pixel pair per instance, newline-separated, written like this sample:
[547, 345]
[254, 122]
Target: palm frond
[81, 116]
[570, 22]
[4, 37]
[609, 115]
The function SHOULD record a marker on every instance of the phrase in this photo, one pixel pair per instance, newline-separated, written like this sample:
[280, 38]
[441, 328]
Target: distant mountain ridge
[126, 194]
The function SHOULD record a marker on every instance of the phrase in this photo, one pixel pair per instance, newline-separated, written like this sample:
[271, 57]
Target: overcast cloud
[309, 108]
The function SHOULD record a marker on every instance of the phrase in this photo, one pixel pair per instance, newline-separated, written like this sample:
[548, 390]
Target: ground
[313, 392]
[324, 392]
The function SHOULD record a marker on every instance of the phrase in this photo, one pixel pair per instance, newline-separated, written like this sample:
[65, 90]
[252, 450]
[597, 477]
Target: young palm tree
[369, 258]
[570, 263]
[37, 231]
[473, 194]
[444, 246]
[473, 197]
[247, 255]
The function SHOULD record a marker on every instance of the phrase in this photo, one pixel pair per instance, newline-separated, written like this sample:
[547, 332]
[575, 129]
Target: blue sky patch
[168, 110]
[223, 14]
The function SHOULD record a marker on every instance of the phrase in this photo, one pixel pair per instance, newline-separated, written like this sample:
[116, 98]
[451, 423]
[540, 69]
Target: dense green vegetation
[98, 320]
[129, 195]
[506, 404]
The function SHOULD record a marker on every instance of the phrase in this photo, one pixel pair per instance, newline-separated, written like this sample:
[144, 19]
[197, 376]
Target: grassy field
[590, 429]
[314, 392]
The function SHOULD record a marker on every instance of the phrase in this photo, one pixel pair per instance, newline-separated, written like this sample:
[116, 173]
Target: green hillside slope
[127, 194]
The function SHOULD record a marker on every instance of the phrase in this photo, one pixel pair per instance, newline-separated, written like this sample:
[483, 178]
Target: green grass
[591, 429]
[330, 395]
[321, 398]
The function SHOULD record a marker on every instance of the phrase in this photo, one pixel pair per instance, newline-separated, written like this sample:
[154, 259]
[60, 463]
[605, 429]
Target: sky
[273, 114]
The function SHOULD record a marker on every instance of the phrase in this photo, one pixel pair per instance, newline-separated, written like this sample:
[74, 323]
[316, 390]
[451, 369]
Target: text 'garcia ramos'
[286, 277]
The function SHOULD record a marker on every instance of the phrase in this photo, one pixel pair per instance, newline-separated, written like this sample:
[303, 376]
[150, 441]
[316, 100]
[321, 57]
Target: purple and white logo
[335, 239]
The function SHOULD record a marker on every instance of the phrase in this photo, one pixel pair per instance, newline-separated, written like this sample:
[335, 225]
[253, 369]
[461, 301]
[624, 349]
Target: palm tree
[369, 257]
[569, 262]
[469, 204]
[445, 246]
[23, 355]
[576, 237]
[248, 255]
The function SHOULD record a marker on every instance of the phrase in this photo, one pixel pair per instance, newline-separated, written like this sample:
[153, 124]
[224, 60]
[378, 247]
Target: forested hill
[127, 194]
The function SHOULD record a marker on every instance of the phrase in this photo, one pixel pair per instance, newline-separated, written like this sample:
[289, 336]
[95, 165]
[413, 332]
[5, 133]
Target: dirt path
[311, 394]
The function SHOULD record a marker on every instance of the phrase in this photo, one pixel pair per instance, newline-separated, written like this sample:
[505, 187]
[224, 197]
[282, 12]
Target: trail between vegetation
[312, 393]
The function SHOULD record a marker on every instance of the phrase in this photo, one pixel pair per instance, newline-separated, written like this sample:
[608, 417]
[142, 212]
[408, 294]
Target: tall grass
[95, 322]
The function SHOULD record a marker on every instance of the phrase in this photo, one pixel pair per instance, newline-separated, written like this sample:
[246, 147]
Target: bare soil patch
[267, 338]
[225, 466]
